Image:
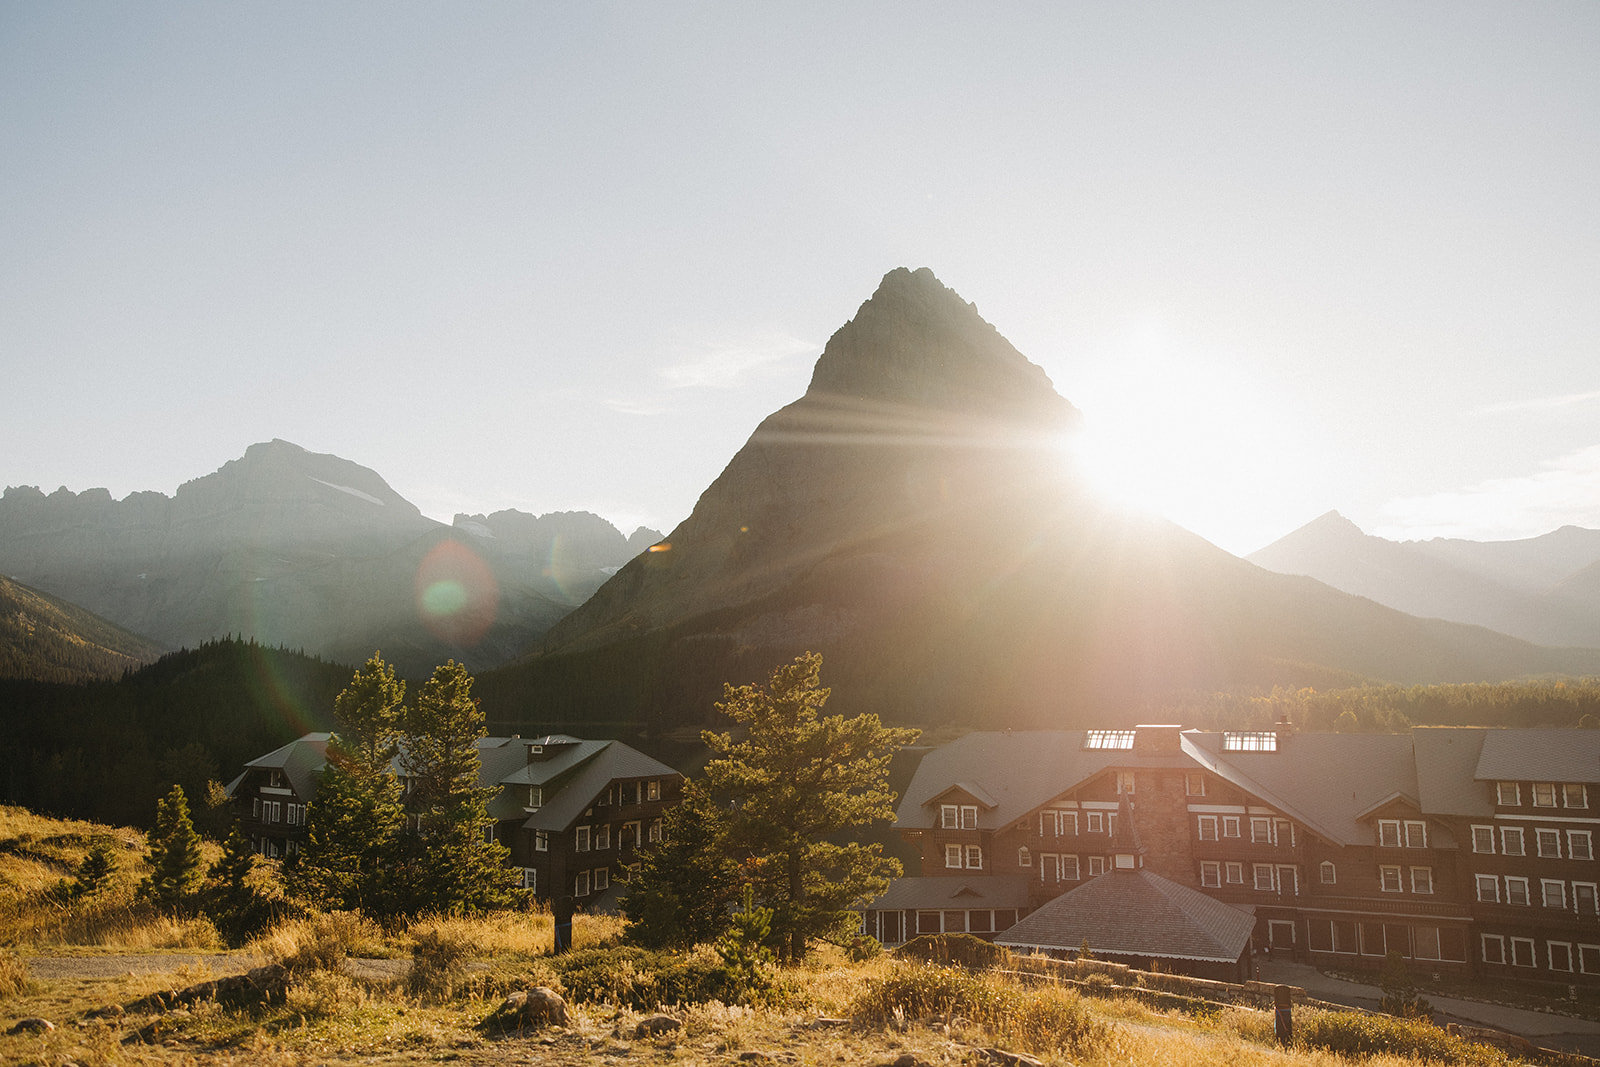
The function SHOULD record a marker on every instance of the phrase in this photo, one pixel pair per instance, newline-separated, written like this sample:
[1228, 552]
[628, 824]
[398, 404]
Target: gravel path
[46, 968]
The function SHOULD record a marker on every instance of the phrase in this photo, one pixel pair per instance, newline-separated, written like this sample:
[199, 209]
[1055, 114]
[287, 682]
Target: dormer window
[537, 750]
[1544, 794]
[958, 816]
[1508, 794]
[1121, 740]
[1249, 741]
[1573, 795]
[1194, 784]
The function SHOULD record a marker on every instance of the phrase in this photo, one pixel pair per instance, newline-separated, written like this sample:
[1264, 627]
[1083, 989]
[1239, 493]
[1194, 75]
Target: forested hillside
[48, 639]
[106, 750]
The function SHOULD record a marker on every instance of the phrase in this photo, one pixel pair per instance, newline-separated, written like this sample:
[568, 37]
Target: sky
[1286, 258]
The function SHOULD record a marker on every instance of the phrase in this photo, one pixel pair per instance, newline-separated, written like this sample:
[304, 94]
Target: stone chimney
[1157, 740]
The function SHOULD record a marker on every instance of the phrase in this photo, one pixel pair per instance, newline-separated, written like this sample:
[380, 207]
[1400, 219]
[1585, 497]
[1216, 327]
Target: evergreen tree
[174, 858]
[354, 822]
[454, 866]
[794, 781]
[236, 907]
[686, 883]
[93, 875]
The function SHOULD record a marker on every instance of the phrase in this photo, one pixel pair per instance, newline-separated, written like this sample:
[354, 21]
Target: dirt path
[46, 968]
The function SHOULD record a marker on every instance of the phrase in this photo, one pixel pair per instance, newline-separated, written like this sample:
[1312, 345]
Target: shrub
[863, 947]
[1042, 1019]
[644, 980]
[321, 943]
[13, 975]
[438, 964]
[1099, 984]
[1355, 1034]
[965, 950]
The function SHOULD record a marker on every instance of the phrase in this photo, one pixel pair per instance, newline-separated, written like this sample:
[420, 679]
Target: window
[1114, 739]
[1261, 831]
[1389, 879]
[1548, 843]
[1573, 795]
[602, 879]
[1522, 952]
[1096, 822]
[1194, 784]
[1560, 955]
[1211, 874]
[974, 858]
[1508, 794]
[1263, 876]
[1584, 901]
[1517, 891]
[1579, 845]
[582, 843]
[654, 831]
[530, 879]
[1494, 948]
[652, 790]
[1544, 794]
[602, 836]
[629, 835]
[255, 807]
[1069, 823]
[952, 856]
[1069, 868]
[580, 884]
[1097, 865]
[1483, 839]
[958, 816]
[628, 793]
[1208, 827]
[1422, 879]
[1589, 959]
[535, 798]
[1024, 857]
[1249, 741]
[1234, 872]
[1488, 889]
[1124, 781]
[1553, 892]
[1416, 834]
[1511, 840]
[541, 841]
[1230, 826]
[1389, 833]
[1330, 875]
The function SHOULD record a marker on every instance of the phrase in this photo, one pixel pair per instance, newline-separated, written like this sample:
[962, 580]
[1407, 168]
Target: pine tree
[686, 883]
[174, 858]
[455, 866]
[236, 907]
[354, 822]
[794, 781]
[93, 875]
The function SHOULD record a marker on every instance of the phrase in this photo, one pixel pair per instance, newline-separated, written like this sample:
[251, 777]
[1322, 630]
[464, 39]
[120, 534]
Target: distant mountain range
[1542, 589]
[313, 552]
[910, 519]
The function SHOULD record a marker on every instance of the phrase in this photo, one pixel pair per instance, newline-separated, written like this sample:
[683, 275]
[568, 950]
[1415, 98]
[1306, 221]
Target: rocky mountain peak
[916, 342]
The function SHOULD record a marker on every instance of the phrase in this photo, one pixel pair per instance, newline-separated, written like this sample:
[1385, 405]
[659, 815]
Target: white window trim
[1566, 796]
[1425, 884]
[1593, 948]
[1550, 955]
[1500, 943]
[953, 855]
[1594, 896]
[1256, 870]
[1510, 833]
[1208, 821]
[1527, 894]
[1548, 789]
[1097, 866]
[541, 841]
[974, 857]
[1587, 837]
[1487, 831]
[1546, 885]
[1230, 826]
[580, 842]
[601, 879]
[1500, 791]
[1384, 871]
[1421, 828]
[1386, 829]
[1210, 874]
[1533, 951]
[1024, 857]
[1231, 868]
[1328, 872]
[1194, 784]
[1492, 884]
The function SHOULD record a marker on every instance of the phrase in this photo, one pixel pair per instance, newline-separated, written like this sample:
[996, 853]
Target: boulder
[655, 1026]
[528, 1009]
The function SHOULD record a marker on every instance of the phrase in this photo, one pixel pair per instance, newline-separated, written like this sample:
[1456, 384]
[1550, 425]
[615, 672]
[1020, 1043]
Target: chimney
[1159, 739]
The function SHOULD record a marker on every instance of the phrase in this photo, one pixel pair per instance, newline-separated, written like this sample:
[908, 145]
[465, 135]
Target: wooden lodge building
[1463, 849]
[573, 812]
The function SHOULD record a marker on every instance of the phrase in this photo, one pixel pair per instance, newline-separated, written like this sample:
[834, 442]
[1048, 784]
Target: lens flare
[457, 598]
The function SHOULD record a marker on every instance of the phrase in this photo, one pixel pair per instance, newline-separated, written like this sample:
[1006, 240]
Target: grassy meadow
[420, 992]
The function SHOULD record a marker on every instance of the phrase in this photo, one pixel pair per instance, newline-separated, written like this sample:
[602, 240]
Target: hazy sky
[1285, 257]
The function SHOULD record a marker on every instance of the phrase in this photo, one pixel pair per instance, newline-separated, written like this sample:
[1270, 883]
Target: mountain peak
[915, 341]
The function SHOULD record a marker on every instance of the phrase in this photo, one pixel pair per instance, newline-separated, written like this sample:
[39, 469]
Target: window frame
[1095, 822]
[1502, 789]
[1256, 870]
[601, 879]
[1232, 868]
[1263, 824]
[652, 789]
[1567, 794]
[541, 840]
[1420, 826]
[1424, 883]
[1097, 866]
[1390, 878]
[1532, 949]
[1518, 882]
[1550, 955]
[974, 857]
[1389, 833]
[1125, 778]
[1575, 836]
[1061, 868]
[1211, 821]
[1231, 827]
[1492, 884]
[1210, 874]
[1542, 834]
[1592, 891]
[602, 837]
[581, 839]
[1559, 887]
[1194, 784]
[1024, 857]
[1513, 833]
[1544, 794]
[580, 884]
[1328, 873]
[954, 856]
[1499, 942]
[1479, 835]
